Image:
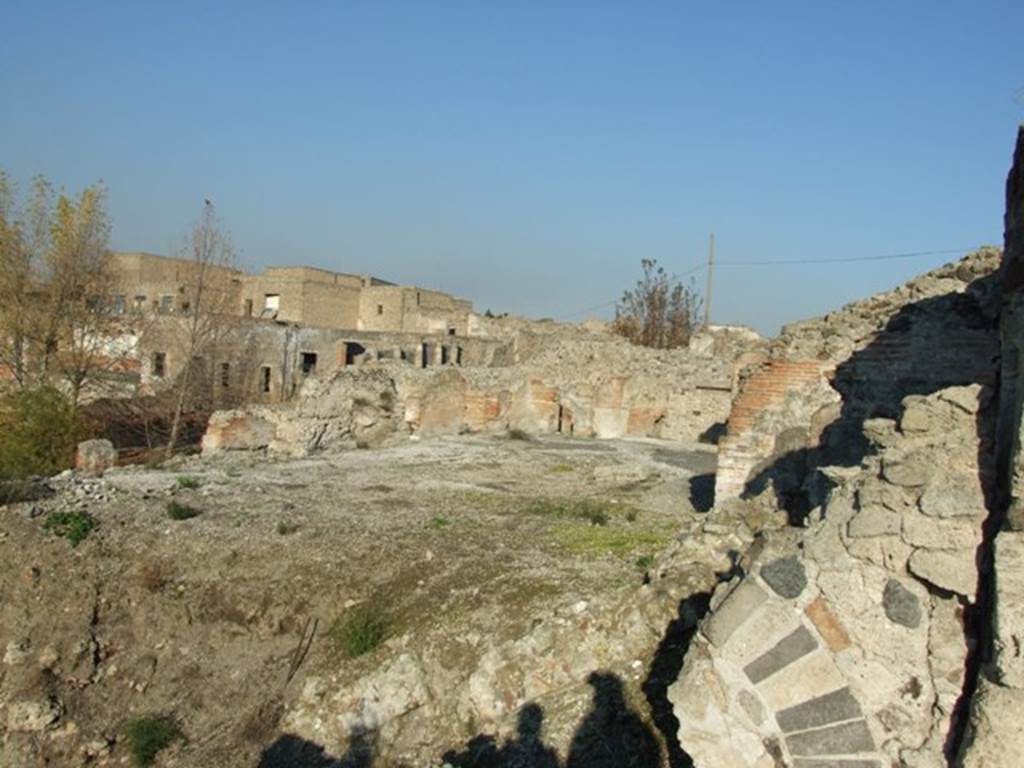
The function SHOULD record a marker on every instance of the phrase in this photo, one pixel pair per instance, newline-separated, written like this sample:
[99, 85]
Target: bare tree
[660, 311]
[210, 295]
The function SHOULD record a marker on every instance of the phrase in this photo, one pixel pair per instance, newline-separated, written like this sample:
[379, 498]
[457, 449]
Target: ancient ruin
[469, 543]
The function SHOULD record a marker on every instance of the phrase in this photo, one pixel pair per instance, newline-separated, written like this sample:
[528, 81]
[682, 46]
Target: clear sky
[527, 155]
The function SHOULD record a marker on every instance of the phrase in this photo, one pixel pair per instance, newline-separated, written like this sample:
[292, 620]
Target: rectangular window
[417, 298]
[248, 307]
[119, 305]
[159, 364]
[380, 309]
[265, 379]
[308, 363]
[271, 305]
[166, 305]
[225, 374]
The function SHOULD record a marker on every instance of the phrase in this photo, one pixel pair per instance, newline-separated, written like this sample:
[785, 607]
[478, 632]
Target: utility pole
[711, 268]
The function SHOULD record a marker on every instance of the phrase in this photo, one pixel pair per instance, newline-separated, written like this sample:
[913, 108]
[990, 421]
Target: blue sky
[527, 155]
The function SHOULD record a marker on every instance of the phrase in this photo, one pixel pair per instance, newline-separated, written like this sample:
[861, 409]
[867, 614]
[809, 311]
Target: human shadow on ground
[665, 669]
[702, 491]
[291, 751]
[525, 750]
[611, 735]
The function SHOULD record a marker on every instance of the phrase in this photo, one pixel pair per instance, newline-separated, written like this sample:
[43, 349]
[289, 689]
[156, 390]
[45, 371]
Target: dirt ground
[203, 619]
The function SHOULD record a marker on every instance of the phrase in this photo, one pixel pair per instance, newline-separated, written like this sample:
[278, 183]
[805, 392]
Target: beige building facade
[306, 296]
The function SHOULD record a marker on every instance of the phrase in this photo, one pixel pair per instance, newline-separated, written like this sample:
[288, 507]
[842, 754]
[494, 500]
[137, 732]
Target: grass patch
[562, 469]
[520, 434]
[595, 540]
[644, 562]
[73, 526]
[631, 514]
[178, 511]
[361, 630]
[440, 521]
[189, 481]
[285, 528]
[594, 512]
[147, 736]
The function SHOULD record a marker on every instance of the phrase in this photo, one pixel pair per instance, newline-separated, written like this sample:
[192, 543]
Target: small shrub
[387, 400]
[189, 481]
[440, 522]
[361, 402]
[178, 511]
[592, 513]
[360, 631]
[284, 528]
[644, 562]
[39, 431]
[73, 526]
[147, 736]
[520, 434]
[631, 516]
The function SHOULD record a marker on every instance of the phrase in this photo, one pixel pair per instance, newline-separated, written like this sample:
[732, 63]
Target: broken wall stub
[804, 405]
[848, 642]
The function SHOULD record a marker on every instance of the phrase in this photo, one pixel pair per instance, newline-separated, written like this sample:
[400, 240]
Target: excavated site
[804, 552]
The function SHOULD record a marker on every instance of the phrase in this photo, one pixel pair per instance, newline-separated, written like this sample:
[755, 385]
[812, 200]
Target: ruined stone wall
[887, 631]
[821, 378]
[599, 387]
[994, 736]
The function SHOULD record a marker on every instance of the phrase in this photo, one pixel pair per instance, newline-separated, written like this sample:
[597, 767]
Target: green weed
[147, 736]
[73, 526]
[178, 511]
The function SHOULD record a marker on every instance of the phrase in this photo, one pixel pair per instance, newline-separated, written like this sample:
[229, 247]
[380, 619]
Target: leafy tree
[660, 311]
[55, 288]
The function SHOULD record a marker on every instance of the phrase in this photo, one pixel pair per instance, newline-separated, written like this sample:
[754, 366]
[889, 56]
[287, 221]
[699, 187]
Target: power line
[771, 262]
[843, 259]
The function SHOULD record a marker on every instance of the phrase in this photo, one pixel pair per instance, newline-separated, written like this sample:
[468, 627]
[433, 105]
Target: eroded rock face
[847, 642]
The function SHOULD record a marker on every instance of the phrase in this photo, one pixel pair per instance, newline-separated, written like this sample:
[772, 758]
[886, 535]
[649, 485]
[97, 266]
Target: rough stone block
[873, 521]
[94, 457]
[967, 399]
[845, 739]
[916, 418]
[954, 571]
[995, 738]
[911, 470]
[795, 645]
[735, 610]
[786, 576]
[833, 707]
[901, 605]
[1009, 611]
[960, 533]
[953, 496]
[828, 626]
